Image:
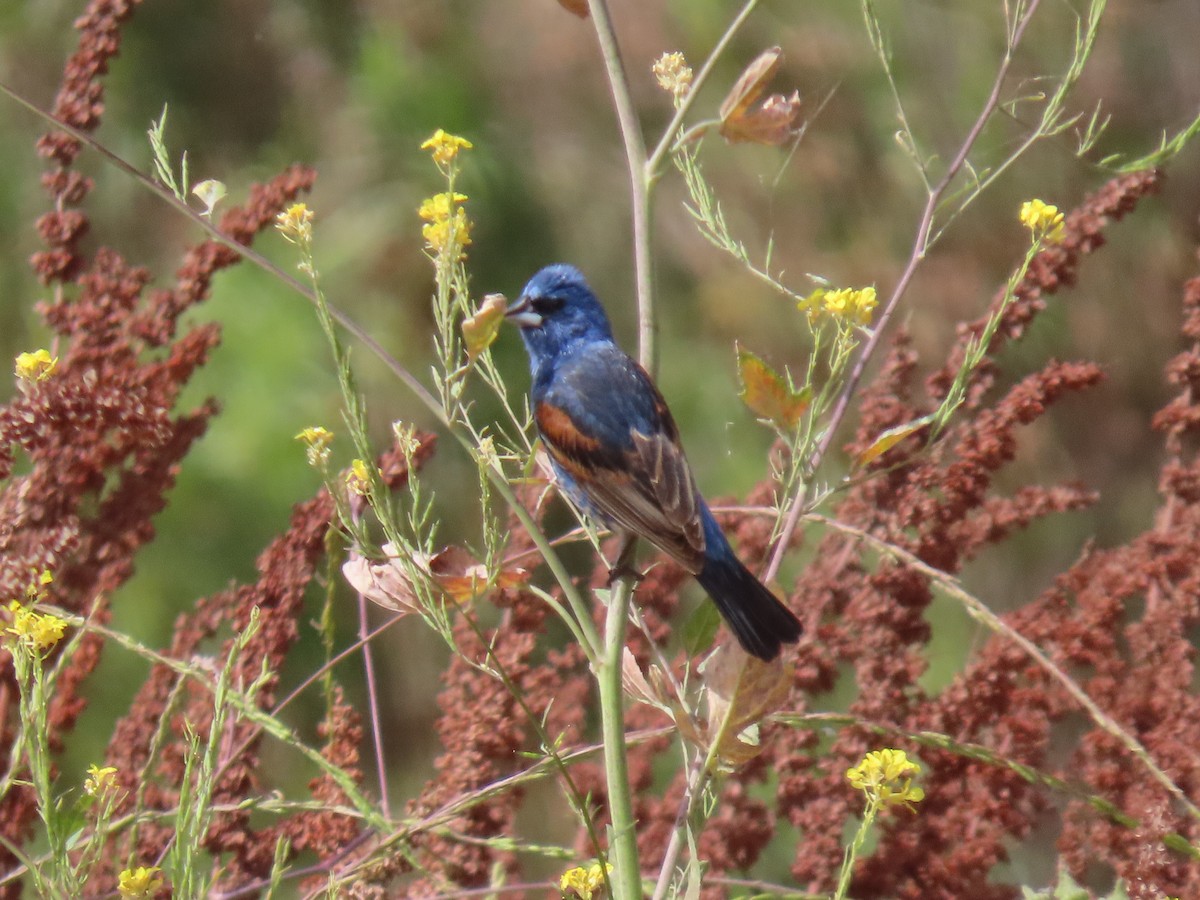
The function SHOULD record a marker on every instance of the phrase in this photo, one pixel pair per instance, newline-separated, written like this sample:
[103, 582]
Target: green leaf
[700, 629]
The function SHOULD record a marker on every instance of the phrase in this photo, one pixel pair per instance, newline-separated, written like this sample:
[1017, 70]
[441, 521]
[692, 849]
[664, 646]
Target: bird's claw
[623, 570]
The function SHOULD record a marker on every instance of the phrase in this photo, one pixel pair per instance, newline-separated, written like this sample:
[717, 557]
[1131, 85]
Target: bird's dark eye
[545, 305]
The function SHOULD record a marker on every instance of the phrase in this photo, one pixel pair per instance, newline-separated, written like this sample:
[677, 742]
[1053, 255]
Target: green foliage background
[353, 88]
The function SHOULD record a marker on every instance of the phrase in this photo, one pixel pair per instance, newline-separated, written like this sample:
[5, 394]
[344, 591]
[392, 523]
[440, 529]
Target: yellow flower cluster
[447, 228]
[140, 882]
[1044, 221]
[885, 776]
[852, 305]
[39, 631]
[295, 223]
[34, 630]
[317, 440]
[100, 780]
[673, 74]
[36, 366]
[583, 882]
[358, 479]
[445, 146]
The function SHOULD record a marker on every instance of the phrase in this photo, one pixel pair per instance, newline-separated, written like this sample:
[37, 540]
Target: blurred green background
[352, 88]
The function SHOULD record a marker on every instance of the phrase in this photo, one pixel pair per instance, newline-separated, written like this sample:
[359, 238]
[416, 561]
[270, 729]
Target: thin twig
[917, 255]
[373, 707]
[978, 611]
[654, 164]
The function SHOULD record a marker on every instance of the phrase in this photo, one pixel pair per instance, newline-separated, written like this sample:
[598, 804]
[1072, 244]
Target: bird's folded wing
[647, 490]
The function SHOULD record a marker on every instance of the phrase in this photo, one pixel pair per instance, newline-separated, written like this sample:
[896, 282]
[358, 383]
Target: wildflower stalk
[855, 847]
[979, 611]
[200, 780]
[30, 678]
[922, 243]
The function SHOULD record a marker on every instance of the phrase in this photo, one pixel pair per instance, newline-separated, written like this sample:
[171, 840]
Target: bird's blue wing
[606, 425]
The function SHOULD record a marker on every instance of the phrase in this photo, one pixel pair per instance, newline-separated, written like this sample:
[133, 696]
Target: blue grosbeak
[615, 450]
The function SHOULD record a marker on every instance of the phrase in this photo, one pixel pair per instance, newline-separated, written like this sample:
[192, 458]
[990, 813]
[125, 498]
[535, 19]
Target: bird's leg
[624, 565]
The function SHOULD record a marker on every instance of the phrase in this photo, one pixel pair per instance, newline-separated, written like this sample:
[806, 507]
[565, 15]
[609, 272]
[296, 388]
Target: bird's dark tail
[760, 621]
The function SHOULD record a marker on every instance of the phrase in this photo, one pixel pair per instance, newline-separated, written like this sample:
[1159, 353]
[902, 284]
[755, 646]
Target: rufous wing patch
[561, 433]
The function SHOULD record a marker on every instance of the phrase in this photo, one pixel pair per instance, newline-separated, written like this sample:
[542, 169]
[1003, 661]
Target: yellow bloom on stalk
[583, 882]
[440, 206]
[358, 479]
[295, 223]
[100, 780]
[36, 366]
[447, 225]
[673, 74]
[317, 441]
[445, 147]
[38, 631]
[140, 882]
[1044, 221]
[885, 776]
[853, 305]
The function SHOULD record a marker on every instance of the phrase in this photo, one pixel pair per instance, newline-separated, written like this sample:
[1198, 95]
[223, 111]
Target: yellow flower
[39, 631]
[140, 882]
[36, 366]
[1044, 221]
[317, 440]
[885, 776]
[447, 223]
[358, 479]
[673, 74]
[100, 780]
[583, 882]
[295, 223]
[445, 147]
[856, 305]
[440, 207]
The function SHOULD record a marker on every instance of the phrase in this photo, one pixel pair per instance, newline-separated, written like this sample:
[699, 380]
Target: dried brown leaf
[773, 121]
[578, 7]
[480, 330]
[742, 689]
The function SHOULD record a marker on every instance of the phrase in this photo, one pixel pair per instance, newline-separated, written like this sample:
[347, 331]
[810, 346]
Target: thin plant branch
[916, 257]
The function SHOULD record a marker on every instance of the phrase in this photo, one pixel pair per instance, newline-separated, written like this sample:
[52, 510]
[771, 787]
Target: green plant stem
[639, 184]
[626, 878]
[855, 847]
[666, 143]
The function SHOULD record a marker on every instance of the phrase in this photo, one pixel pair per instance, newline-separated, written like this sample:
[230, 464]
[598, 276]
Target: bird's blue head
[558, 313]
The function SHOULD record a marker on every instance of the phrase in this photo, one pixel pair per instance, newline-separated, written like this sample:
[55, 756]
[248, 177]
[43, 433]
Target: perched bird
[616, 452]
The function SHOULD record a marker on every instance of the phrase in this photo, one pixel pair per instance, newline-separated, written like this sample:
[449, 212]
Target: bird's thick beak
[521, 313]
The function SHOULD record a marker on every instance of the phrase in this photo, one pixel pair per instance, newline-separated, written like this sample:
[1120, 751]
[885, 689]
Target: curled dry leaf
[742, 690]
[635, 682]
[771, 122]
[768, 394]
[388, 582]
[384, 582]
[464, 578]
[578, 7]
[480, 330]
[891, 438]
